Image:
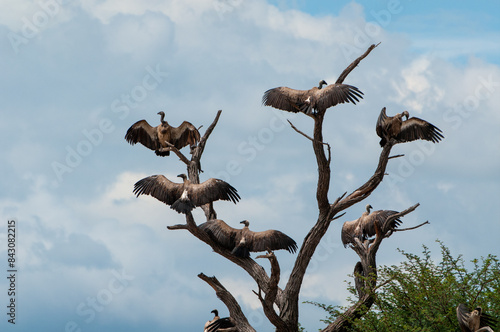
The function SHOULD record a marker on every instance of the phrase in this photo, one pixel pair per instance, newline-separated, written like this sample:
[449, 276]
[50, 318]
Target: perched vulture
[154, 138]
[405, 131]
[364, 227]
[474, 321]
[184, 197]
[313, 100]
[243, 241]
[218, 323]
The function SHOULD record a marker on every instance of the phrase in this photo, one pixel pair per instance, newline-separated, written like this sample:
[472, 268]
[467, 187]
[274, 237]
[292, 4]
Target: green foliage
[422, 295]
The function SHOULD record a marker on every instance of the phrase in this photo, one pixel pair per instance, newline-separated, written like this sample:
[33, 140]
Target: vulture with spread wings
[411, 129]
[243, 241]
[217, 323]
[155, 138]
[475, 321]
[311, 101]
[184, 197]
[364, 227]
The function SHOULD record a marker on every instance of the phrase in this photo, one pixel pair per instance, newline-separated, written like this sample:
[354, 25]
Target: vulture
[364, 227]
[475, 320]
[405, 131]
[218, 323]
[313, 100]
[184, 197]
[243, 241]
[154, 138]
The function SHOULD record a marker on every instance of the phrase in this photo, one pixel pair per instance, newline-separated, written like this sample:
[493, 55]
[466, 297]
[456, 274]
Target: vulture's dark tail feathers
[241, 251]
[162, 153]
[182, 206]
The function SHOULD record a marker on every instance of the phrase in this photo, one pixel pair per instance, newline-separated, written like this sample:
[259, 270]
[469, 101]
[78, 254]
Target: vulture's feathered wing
[184, 197]
[313, 100]
[184, 135]
[364, 227]
[476, 320]
[412, 129]
[243, 241]
[142, 132]
[218, 323]
[154, 138]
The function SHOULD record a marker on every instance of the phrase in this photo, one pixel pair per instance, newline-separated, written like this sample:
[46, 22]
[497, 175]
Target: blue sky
[77, 74]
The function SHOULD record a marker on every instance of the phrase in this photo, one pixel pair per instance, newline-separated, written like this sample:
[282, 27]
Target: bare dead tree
[281, 306]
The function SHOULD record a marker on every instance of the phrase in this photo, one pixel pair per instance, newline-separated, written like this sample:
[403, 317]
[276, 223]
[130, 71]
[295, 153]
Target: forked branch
[270, 297]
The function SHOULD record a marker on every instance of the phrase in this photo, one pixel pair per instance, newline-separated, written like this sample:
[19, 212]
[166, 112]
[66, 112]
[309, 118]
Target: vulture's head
[368, 208]
[215, 312]
[245, 222]
[182, 176]
[321, 83]
[405, 113]
[162, 115]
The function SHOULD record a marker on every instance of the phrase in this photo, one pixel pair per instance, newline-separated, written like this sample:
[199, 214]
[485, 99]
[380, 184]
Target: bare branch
[179, 154]
[300, 132]
[339, 216]
[194, 166]
[410, 228]
[180, 226]
[396, 156]
[228, 299]
[268, 300]
[368, 187]
[354, 64]
[198, 150]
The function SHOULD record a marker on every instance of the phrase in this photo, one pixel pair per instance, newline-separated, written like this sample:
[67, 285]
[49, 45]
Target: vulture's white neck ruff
[185, 196]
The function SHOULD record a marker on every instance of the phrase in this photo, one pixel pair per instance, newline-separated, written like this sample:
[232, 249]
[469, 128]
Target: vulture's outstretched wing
[221, 323]
[185, 134]
[142, 132]
[348, 230]
[220, 232]
[379, 217]
[416, 128]
[463, 315]
[487, 320]
[284, 98]
[272, 240]
[160, 188]
[381, 123]
[334, 94]
[212, 190]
